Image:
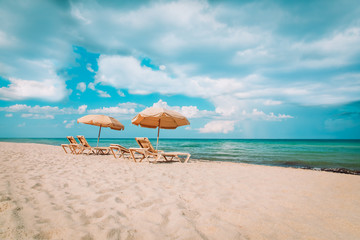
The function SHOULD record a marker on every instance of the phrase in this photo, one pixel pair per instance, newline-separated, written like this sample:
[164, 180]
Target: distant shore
[47, 194]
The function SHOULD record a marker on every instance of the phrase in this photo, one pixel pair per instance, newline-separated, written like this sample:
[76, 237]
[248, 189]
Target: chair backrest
[120, 147]
[83, 141]
[71, 140]
[144, 142]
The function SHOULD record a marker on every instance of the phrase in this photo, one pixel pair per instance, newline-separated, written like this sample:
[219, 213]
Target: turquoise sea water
[291, 153]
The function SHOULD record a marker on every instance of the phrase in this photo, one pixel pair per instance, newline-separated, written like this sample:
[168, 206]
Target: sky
[235, 69]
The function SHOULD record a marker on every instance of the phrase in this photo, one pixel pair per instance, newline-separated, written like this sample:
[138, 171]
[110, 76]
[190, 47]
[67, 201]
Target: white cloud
[89, 68]
[21, 125]
[15, 108]
[8, 115]
[69, 124]
[91, 86]
[260, 115]
[161, 104]
[37, 116]
[103, 94]
[43, 110]
[76, 12]
[82, 109]
[187, 111]
[176, 26]
[31, 78]
[336, 50]
[218, 126]
[34, 109]
[129, 105]
[81, 86]
[120, 93]
[120, 71]
[270, 102]
[19, 89]
[121, 109]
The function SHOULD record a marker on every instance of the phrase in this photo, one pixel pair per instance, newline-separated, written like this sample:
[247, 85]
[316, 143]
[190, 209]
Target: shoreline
[323, 169]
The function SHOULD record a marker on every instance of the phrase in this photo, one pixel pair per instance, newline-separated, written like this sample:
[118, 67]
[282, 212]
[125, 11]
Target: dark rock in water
[341, 170]
[335, 170]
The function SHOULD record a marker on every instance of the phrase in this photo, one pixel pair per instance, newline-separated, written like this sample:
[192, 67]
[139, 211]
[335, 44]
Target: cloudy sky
[236, 69]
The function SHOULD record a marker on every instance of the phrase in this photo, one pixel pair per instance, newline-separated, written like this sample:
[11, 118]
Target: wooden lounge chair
[147, 150]
[73, 145]
[90, 149]
[118, 150]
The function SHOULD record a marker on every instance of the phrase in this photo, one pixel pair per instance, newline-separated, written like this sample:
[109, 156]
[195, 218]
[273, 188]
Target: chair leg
[64, 147]
[187, 158]
[112, 150]
[133, 156]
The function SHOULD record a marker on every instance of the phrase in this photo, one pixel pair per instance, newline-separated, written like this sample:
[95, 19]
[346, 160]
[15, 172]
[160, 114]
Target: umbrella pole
[157, 142]
[98, 137]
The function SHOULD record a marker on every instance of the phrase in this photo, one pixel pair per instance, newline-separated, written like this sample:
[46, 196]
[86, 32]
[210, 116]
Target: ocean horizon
[324, 154]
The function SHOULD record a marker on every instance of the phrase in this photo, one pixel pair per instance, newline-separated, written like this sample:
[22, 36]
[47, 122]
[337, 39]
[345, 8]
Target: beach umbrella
[101, 121]
[154, 117]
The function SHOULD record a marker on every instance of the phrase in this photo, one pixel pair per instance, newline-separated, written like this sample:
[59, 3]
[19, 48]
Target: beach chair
[147, 150]
[119, 151]
[96, 150]
[73, 145]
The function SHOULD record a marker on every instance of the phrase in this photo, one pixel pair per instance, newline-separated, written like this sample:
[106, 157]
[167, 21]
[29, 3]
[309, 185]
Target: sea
[328, 155]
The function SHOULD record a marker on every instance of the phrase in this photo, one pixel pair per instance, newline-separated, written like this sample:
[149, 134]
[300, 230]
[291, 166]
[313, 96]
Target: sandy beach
[47, 194]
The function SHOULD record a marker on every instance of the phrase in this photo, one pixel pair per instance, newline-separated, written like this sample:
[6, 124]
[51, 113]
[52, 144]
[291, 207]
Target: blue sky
[236, 69]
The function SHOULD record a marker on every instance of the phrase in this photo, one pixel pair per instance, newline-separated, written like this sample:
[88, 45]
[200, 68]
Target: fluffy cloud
[91, 86]
[218, 127]
[82, 109]
[89, 68]
[111, 110]
[19, 89]
[187, 111]
[260, 115]
[120, 93]
[103, 94]
[119, 71]
[26, 108]
[341, 48]
[69, 124]
[8, 115]
[37, 116]
[81, 86]
[121, 109]
[270, 102]
[43, 110]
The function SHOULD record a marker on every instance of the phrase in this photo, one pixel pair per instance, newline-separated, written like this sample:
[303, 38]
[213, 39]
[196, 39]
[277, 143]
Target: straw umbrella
[101, 121]
[154, 117]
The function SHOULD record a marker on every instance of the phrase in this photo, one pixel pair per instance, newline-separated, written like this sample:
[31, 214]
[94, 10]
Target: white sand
[47, 194]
